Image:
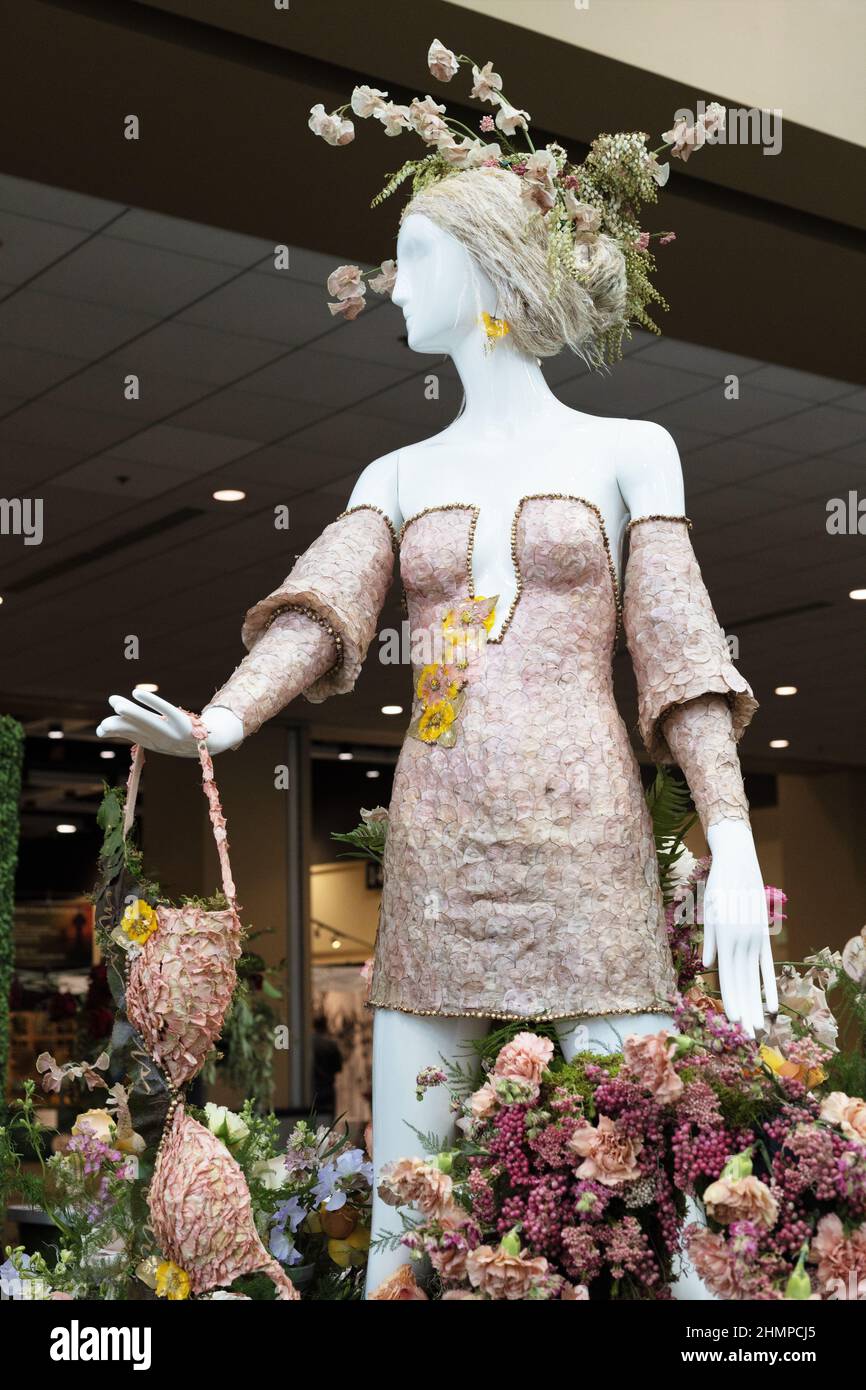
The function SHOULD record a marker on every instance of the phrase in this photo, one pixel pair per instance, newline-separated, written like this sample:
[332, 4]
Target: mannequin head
[470, 244]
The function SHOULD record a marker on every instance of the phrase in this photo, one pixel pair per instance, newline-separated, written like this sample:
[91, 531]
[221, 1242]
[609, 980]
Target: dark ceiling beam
[768, 250]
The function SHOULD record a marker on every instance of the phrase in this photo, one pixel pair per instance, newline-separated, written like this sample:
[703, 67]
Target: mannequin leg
[604, 1035]
[403, 1044]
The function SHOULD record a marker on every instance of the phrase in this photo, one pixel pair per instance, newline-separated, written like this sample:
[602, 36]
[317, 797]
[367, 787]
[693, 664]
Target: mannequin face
[439, 287]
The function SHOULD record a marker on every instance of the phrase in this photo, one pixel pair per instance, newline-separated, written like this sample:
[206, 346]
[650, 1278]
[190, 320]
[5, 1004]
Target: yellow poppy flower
[436, 720]
[172, 1282]
[352, 1250]
[794, 1071]
[495, 328]
[436, 683]
[139, 921]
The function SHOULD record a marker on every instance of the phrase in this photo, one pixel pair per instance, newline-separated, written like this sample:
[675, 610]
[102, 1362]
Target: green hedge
[11, 759]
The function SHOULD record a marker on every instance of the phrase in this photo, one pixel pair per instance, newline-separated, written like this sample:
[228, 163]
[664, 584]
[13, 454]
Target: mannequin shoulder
[648, 469]
[378, 487]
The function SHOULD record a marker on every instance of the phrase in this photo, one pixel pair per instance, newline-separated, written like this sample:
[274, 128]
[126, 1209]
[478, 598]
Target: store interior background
[158, 259]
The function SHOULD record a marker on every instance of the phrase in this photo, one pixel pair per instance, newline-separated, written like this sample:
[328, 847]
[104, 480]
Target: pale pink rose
[510, 118]
[336, 130]
[609, 1156]
[394, 118]
[848, 1112]
[684, 138]
[400, 1287]
[574, 1293]
[367, 100]
[525, 1058]
[345, 282]
[649, 1061]
[453, 1294]
[441, 61]
[841, 1259]
[709, 1253]
[486, 84]
[411, 1180]
[500, 1275]
[97, 1122]
[741, 1199]
[348, 308]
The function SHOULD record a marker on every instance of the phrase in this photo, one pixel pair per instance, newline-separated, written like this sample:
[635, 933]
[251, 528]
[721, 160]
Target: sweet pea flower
[511, 118]
[367, 100]
[334, 129]
[393, 117]
[486, 84]
[684, 138]
[441, 61]
[384, 282]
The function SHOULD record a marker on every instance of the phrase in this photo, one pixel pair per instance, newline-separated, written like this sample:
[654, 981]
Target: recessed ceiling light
[392, 709]
[345, 755]
[779, 743]
[372, 772]
[56, 731]
[149, 686]
[859, 594]
[107, 753]
[786, 690]
[66, 829]
[229, 494]
[1, 598]
[336, 944]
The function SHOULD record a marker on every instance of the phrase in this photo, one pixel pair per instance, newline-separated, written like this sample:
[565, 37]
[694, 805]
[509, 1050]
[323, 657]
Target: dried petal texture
[294, 651]
[343, 578]
[201, 1211]
[181, 985]
[677, 647]
[520, 869]
[700, 736]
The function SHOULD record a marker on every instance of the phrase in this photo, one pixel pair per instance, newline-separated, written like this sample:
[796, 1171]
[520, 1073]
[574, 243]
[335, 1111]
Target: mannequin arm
[294, 652]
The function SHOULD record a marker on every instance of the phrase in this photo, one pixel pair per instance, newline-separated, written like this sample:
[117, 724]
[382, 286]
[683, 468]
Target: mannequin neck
[502, 386]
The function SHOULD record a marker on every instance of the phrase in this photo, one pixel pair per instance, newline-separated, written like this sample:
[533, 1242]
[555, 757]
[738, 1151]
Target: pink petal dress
[520, 870]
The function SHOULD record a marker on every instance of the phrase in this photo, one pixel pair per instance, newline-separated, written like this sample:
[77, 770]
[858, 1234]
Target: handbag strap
[215, 810]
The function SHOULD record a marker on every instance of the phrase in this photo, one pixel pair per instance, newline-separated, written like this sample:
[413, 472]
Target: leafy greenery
[11, 759]
[670, 808]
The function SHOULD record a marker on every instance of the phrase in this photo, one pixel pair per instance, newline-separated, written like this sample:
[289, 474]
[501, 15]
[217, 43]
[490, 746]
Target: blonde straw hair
[484, 210]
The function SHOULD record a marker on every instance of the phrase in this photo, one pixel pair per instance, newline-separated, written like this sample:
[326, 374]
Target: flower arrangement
[577, 202]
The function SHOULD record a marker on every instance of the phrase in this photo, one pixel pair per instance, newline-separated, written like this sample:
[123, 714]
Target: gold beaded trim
[638, 519]
[530, 497]
[369, 507]
[317, 618]
[654, 1008]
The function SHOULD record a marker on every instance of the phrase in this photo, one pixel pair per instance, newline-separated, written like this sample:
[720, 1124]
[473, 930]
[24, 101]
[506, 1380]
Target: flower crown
[577, 202]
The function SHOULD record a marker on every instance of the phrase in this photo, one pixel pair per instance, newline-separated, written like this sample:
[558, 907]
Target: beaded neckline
[515, 521]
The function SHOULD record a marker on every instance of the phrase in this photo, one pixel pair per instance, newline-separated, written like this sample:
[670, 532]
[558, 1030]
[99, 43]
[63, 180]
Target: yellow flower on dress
[477, 611]
[436, 721]
[139, 921]
[794, 1071]
[437, 682]
[172, 1282]
[495, 328]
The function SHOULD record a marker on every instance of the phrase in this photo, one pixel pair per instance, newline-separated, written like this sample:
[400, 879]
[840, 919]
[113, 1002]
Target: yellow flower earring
[494, 329]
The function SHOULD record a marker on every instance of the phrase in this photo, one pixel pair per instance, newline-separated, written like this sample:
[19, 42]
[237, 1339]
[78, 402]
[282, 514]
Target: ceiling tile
[693, 357]
[315, 376]
[30, 245]
[198, 354]
[814, 431]
[190, 238]
[120, 477]
[57, 325]
[27, 372]
[804, 385]
[263, 306]
[249, 416]
[711, 411]
[131, 276]
[102, 388]
[43, 422]
[190, 451]
[31, 199]
[634, 388]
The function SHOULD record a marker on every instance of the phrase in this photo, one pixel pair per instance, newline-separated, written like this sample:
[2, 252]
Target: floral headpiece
[577, 201]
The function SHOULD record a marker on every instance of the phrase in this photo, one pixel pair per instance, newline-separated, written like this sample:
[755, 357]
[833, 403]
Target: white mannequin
[513, 437]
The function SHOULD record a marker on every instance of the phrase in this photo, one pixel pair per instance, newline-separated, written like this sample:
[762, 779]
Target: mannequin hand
[163, 728]
[735, 923]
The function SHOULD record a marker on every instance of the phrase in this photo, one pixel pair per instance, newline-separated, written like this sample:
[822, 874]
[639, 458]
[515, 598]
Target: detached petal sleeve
[312, 633]
[677, 648]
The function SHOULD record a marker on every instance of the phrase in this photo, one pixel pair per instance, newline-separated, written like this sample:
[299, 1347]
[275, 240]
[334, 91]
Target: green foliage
[672, 817]
[368, 841]
[11, 759]
[846, 1069]
[572, 1077]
